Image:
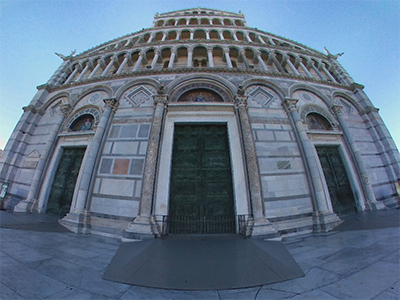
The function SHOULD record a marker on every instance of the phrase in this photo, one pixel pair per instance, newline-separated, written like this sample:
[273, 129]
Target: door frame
[355, 184]
[48, 179]
[192, 113]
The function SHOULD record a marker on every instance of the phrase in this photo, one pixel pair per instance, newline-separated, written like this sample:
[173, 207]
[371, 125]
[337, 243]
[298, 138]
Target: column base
[325, 221]
[377, 205]
[142, 228]
[25, 205]
[262, 228]
[77, 222]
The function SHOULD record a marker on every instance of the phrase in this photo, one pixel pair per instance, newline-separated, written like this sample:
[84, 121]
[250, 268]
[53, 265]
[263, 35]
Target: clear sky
[368, 32]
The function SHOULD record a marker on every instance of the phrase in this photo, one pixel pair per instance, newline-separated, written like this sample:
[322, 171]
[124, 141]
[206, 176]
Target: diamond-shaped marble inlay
[138, 96]
[261, 96]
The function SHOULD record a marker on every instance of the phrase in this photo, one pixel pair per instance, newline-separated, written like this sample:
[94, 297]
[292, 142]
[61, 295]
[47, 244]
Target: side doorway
[337, 180]
[62, 189]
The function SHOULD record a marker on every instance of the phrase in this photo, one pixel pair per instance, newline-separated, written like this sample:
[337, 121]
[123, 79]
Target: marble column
[367, 187]
[124, 62]
[221, 36]
[261, 226]
[263, 65]
[245, 60]
[210, 57]
[248, 37]
[272, 58]
[143, 225]
[190, 57]
[110, 64]
[156, 56]
[164, 37]
[96, 68]
[88, 65]
[172, 59]
[327, 73]
[138, 62]
[291, 66]
[261, 39]
[305, 69]
[191, 35]
[207, 34]
[228, 58]
[324, 219]
[75, 220]
[178, 35]
[72, 75]
[28, 204]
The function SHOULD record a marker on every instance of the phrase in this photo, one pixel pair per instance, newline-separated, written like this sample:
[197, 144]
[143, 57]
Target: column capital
[156, 51]
[240, 101]
[257, 53]
[226, 50]
[160, 99]
[337, 109]
[111, 103]
[65, 108]
[290, 104]
[174, 50]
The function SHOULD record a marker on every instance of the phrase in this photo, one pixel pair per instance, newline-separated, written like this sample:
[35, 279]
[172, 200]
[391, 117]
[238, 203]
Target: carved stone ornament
[163, 99]
[65, 108]
[111, 103]
[290, 104]
[337, 109]
[240, 101]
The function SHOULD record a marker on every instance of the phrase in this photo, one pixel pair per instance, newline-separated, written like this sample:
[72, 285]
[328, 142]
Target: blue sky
[368, 32]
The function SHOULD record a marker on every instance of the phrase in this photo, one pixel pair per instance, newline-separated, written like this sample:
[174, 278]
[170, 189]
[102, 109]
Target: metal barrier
[206, 225]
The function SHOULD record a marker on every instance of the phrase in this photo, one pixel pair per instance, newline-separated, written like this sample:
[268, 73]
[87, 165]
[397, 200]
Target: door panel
[201, 180]
[337, 180]
[63, 187]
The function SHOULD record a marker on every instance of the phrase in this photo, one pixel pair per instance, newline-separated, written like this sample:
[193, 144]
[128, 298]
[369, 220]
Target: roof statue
[64, 58]
[330, 55]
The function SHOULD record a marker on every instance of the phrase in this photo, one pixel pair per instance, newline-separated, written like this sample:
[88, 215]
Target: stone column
[248, 37]
[99, 63]
[138, 62]
[164, 37]
[156, 55]
[261, 227]
[110, 64]
[72, 75]
[367, 187]
[124, 62]
[317, 70]
[245, 60]
[207, 34]
[88, 65]
[142, 226]
[327, 73]
[261, 39]
[263, 65]
[75, 220]
[323, 218]
[291, 66]
[172, 59]
[228, 58]
[221, 36]
[210, 57]
[150, 38]
[178, 35]
[305, 69]
[235, 37]
[28, 204]
[191, 34]
[190, 57]
[272, 58]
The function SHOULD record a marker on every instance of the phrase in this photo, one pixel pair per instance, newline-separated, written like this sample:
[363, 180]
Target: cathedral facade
[200, 125]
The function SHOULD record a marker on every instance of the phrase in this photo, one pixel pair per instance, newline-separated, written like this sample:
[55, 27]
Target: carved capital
[290, 104]
[365, 178]
[160, 99]
[226, 50]
[240, 101]
[111, 103]
[65, 109]
[337, 109]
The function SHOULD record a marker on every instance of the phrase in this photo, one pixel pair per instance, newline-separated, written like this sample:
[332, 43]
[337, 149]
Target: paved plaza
[39, 261]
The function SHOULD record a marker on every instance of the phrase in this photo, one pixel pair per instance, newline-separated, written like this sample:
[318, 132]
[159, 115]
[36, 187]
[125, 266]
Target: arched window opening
[218, 57]
[252, 37]
[214, 35]
[171, 22]
[160, 23]
[159, 36]
[171, 35]
[146, 37]
[227, 35]
[238, 23]
[204, 21]
[240, 35]
[185, 35]
[200, 95]
[216, 21]
[227, 22]
[317, 122]
[83, 123]
[182, 54]
[200, 57]
[199, 34]
[193, 21]
[182, 22]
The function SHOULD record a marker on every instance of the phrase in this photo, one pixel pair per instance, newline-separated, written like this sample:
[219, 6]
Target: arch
[56, 97]
[312, 108]
[352, 101]
[171, 35]
[170, 22]
[199, 34]
[205, 21]
[193, 21]
[214, 35]
[92, 89]
[316, 121]
[78, 117]
[239, 23]
[185, 34]
[311, 89]
[149, 81]
[227, 35]
[216, 21]
[200, 95]
[240, 35]
[209, 81]
[83, 123]
[227, 22]
[182, 21]
[260, 81]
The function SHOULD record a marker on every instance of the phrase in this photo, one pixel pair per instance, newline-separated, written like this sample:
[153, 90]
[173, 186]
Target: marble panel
[125, 148]
[144, 131]
[107, 148]
[282, 135]
[264, 135]
[26, 176]
[136, 167]
[105, 167]
[128, 131]
[121, 166]
[143, 148]
[117, 187]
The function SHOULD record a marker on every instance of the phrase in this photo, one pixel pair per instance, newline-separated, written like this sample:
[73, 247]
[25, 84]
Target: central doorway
[201, 194]
[337, 181]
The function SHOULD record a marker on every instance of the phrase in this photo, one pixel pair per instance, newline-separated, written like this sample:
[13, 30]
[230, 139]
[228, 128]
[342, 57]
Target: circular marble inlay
[94, 97]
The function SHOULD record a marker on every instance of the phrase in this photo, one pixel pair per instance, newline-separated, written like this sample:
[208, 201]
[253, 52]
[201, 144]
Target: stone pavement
[348, 264]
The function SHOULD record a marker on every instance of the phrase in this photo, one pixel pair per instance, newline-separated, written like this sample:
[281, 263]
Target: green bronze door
[337, 181]
[64, 182]
[201, 197]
